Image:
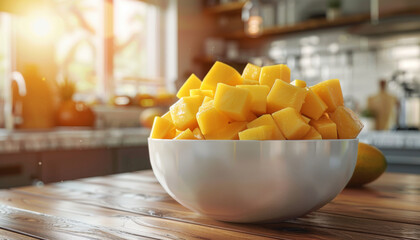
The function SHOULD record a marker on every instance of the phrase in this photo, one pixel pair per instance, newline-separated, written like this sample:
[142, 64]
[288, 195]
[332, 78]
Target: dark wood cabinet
[20, 169]
[132, 158]
[67, 165]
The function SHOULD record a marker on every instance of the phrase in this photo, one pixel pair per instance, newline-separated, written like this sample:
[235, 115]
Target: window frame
[166, 47]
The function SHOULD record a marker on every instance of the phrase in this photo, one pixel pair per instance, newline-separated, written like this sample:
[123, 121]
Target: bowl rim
[260, 141]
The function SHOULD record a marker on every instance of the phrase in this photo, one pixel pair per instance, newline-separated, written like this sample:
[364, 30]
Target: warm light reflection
[38, 26]
[41, 26]
[253, 26]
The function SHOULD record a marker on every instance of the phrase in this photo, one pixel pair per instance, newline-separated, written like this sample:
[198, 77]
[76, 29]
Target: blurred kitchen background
[80, 80]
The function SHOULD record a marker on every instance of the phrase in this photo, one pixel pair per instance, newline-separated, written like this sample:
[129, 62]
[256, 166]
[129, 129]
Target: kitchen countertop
[392, 139]
[135, 206]
[71, 138]
[83, 138]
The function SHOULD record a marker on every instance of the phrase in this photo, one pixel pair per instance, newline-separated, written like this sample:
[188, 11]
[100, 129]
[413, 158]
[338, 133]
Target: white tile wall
[359, 62]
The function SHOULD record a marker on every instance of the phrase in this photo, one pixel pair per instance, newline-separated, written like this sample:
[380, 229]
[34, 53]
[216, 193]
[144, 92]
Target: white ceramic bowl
[253, 181]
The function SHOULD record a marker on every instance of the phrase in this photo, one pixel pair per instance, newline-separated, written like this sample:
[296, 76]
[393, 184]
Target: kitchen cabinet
[67, 165]
[19, 169]
[132, 158]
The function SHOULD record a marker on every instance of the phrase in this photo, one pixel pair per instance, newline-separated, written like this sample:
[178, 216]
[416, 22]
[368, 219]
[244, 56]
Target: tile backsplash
[358, 61]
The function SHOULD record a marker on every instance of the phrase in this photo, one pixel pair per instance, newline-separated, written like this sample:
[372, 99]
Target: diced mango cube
[193, 82]
[199, 92]
[258, 97]
[313, 106]
[284, 95]
[330, 92]
[220, 73]
[270, 73]
[210, 119]
[198, 134]
[232, 101]
[267, 119]
[298, 83]
[207, 99]
[167, 116]
[162, 129]
[307, 120]
[265, 132]
[184, 111]
[348, 124]
[251, 72]
[177, 132]
[291, 123]
[250, 82]
[313, 134]
[230, 132]
[187, 134]
[325, 127]
[251, 116]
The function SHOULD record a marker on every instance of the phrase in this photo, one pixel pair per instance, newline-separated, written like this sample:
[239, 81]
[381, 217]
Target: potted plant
[333, 9]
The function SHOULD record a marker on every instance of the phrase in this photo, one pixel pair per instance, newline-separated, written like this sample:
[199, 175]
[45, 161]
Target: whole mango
[371, 164]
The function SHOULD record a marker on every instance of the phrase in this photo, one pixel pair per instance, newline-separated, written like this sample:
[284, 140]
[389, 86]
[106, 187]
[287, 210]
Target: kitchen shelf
[211, 60]
[225, 8]
[316, 24]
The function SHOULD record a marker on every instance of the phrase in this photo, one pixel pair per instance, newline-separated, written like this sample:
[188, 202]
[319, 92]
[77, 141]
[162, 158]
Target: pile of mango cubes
[260, 104]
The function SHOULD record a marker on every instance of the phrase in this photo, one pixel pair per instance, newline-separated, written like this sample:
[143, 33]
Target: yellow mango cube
[250, 116]
[313, 134]
[193, 82]
[258, 97]
[330, 92]
[251, 72]
[177, 132]
[284, 95]
[162, 129]
[230, 132]
[199, 92]
[325, 127]
[313, 106]
[232, 101]
[207, 99]
[220, 73]
[167, 116]
[266, 119]
[250, 82]
[307, 120]
[265, 132]
[198, 134]
[206, 105]
[298, 83]
[291, 123]
[183, 112]
[187, 134]
[348, 124]
[210, 119]
[269, 74]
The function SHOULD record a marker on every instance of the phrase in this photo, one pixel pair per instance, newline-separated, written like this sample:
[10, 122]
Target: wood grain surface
[135, 206]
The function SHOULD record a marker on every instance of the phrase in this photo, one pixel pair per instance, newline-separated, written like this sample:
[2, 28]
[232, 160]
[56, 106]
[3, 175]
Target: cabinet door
[18, 169]
[133, 159]
[67, 165]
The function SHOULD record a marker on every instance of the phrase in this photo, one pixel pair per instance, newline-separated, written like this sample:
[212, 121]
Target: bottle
[37, 107]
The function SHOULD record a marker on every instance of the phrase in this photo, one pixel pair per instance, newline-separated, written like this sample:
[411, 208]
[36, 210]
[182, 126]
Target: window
[135, 44]
[113, 47]
[5, 51]
[5, 63]
[78, 46]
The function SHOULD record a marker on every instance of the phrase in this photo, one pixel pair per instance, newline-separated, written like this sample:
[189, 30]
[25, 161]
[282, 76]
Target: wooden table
[134, 206]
